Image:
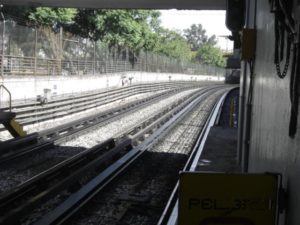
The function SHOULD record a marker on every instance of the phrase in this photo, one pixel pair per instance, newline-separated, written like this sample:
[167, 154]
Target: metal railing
[2, 87]
[41, 51]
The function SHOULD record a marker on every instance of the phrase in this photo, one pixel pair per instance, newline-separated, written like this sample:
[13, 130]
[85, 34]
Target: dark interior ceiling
[124, 4]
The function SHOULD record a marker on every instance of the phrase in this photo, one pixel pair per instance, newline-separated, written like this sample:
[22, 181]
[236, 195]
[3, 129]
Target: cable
[280, 29]
[294, 89]
[284, 23]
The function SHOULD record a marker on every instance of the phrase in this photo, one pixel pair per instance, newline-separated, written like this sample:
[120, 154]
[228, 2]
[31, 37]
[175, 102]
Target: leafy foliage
[130, 28]
[196, 37]
[210, 54]
[41, 15]
[49, 16]
[172, 44]
[133, 29]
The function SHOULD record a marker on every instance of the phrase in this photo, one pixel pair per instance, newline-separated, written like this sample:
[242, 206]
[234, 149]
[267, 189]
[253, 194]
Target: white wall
[27, 87]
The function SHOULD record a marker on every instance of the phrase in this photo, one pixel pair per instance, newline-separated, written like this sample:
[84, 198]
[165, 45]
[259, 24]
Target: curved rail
[169, 216]
[66, 173]
[11, 149]
[35, 112]
[73, 203]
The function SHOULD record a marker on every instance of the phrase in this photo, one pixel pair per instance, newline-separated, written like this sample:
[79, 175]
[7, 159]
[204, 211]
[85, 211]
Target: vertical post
[146, 61]
[3, 45]
[85, 59]
[123, 61]
[61, 49]
[94, 57]
[116, 60]
[127, 59]
[156, 64]
[78, 44]
[105, 60]
[35, 50]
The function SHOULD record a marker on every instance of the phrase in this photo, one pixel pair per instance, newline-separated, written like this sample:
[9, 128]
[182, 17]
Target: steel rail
[165, 117]
[74, 105]
[15, 204]
[82, 101]
[169, 215]
[137, 133]
[73, 203]
[71, 109]
[48, 177]
[67, 131]
[101, 92]
[58, 134]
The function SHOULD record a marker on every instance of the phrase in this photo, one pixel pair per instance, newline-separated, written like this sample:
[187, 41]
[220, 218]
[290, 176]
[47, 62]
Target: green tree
[51, 16]
[172, 44]
[123, 28]
[46, 19]
[133, 29]
[196, 37]
[210, 55]
[41, 15]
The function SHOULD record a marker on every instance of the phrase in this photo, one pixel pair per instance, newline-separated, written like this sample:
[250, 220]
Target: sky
[212, 21]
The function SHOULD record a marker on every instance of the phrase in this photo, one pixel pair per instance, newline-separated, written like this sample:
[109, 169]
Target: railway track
[58, 171]
[170, 213]
[144, 135]
[28, 114]
[140, 195]
[20, 147]
[18, 171]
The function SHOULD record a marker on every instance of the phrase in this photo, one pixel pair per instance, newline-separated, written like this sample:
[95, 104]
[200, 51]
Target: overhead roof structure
[124, 4]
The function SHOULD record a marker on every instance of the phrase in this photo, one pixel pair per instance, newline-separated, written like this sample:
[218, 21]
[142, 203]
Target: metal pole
[3, 45]
[61, 50]
[125, 59]
[146, 64]
[35, 50]
[105, 61]
[94, 57]
[9, 95]
[78, 45]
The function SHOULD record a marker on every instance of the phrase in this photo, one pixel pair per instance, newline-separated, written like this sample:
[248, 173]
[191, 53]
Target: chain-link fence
[43, 51]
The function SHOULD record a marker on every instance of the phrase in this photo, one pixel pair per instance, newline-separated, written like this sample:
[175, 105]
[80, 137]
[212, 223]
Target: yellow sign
[227, 199]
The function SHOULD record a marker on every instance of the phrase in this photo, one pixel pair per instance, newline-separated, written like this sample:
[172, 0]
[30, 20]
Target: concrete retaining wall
[28, 87]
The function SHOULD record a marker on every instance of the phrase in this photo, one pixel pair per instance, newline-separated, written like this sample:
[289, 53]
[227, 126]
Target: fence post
[106, 58]
[84, 72]
[61, 49]
[116, 60]
[94, 57]
[35, 50]
[3, 45]
[125, 61]
[77, 48]
[146, 60]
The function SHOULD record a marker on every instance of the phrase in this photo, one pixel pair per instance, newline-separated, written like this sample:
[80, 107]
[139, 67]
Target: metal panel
[271, 149]
[125, 4]
[203, 201]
